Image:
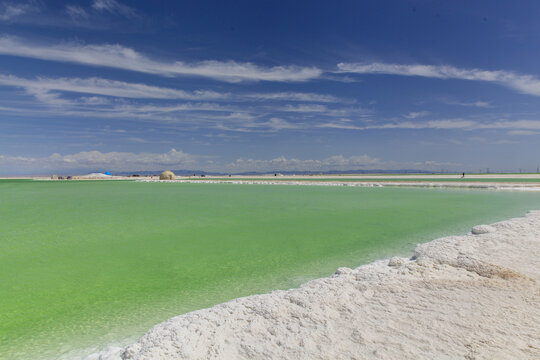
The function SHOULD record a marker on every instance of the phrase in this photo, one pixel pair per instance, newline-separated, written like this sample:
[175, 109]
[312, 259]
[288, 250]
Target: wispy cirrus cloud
[114, 7]
[11, 10]
[510, 124]
[49, 88]
[523, 132]
[526, 84]
[93, 14]
[105, 87]
[76, 12]
[318, 110]
[302, 108]
[343, 124]
[248, 123]
[295, 96]
[416, 114]
[478, 104]
[443, 124]
[232, 116]
[120, 57]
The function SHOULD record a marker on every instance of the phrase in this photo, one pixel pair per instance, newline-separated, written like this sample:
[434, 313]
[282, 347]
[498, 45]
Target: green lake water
[88, 263]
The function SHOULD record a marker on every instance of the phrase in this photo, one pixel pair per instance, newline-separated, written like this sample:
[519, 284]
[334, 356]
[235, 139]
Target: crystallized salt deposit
[466, 297]
[482, 229]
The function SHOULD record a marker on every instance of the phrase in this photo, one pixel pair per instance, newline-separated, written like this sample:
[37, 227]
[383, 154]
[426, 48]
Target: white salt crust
[459, 297]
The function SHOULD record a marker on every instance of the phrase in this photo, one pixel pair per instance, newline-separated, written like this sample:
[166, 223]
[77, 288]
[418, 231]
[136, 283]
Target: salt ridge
[472, 297]
[337, 182]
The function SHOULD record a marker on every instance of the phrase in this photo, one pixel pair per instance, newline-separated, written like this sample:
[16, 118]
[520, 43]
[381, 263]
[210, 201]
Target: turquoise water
[84, 264]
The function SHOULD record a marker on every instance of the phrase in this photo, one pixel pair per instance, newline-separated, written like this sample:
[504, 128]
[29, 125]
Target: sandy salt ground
[462, 297]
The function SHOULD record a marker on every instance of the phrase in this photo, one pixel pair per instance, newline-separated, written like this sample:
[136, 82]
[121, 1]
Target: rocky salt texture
[461, 297]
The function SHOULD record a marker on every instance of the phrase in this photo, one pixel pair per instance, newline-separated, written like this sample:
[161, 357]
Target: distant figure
[462, 175]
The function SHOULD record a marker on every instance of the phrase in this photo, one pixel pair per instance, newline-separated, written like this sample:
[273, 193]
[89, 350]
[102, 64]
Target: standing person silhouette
[462, 175]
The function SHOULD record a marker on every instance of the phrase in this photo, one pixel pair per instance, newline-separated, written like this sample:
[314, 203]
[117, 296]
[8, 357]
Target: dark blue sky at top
[423, 84]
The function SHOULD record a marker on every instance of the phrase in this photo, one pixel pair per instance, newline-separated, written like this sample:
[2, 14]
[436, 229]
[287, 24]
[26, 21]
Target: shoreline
[520, 182]
[472, 296]
[364, 183]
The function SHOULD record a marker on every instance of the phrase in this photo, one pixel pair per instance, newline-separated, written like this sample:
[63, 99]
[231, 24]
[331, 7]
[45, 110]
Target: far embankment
[480, 181]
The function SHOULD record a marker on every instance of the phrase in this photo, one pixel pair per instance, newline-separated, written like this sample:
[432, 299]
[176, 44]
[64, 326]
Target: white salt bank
[460, 297]
[482, 229]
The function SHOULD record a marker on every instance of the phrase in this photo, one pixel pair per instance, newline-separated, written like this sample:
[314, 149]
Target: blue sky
[267, 85]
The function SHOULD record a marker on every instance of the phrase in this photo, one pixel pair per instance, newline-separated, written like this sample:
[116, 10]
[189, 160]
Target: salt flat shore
[372, 183]
[475, 296]
[528, 182]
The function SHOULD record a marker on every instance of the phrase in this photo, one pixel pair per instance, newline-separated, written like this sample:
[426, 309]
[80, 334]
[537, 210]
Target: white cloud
[284, 164]
[292, 96]
[523, 132]
[444, 124]
[414, 115]
[527, 84]
[107, 87]
[432, 124]
[332, 163]
[94, 100]
[278, 124]
[248, 123]
[76, 12]
[114, 7]
[143, 108]
[479, 104]
[511, 124]
[318, 110]
[117, 56]
[344, 123]
[138, 140]
[96, 160]
[482, 104]
[12, 10]
[47, 97]
[304, 108]
[113, 88]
